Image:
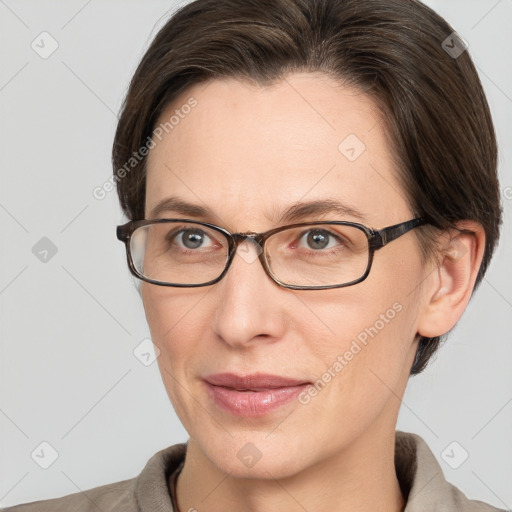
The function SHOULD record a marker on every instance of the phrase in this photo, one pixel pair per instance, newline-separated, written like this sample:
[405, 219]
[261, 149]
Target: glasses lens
[179, 252]
[318, 255]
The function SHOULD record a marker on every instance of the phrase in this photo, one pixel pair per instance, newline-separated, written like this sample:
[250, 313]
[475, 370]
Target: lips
[253, 382]
[253, 395]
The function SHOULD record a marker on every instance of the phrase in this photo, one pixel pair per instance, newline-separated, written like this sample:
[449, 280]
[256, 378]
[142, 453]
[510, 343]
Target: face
[248, 153]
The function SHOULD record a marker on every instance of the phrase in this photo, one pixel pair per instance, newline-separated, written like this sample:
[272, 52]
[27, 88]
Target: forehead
[248, 152]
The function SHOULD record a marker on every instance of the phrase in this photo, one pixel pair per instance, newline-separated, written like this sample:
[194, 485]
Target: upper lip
[254, 381]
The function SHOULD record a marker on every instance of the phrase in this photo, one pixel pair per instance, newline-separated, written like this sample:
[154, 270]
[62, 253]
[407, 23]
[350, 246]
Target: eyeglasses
[305, 256]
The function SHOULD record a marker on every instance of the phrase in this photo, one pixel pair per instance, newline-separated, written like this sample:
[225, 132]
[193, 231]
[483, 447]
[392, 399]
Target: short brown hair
[396, 51]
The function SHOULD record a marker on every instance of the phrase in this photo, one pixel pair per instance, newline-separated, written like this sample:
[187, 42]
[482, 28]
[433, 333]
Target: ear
[450, 284]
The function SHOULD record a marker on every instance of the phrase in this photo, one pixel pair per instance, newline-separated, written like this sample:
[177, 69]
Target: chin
[256, 455]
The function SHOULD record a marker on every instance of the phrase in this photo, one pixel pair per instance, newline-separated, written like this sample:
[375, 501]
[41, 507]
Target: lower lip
[253, 403]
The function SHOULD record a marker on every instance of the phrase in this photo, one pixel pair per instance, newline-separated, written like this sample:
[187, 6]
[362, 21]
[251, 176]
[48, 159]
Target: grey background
[69, 326]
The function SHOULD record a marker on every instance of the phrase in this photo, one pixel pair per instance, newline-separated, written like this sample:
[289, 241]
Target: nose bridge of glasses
[244, 251]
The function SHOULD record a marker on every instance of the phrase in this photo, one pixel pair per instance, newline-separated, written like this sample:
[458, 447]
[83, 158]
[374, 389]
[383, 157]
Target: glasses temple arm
[386, 235]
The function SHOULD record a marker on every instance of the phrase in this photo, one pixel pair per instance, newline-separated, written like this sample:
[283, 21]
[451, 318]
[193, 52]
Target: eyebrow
[295, 212]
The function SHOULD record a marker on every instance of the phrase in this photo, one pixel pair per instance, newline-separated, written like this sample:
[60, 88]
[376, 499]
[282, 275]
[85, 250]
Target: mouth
[253, 382]
[250, 390]
[252, 395]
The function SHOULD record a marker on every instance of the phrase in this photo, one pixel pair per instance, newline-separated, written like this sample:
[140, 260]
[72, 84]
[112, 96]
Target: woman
[313, 199]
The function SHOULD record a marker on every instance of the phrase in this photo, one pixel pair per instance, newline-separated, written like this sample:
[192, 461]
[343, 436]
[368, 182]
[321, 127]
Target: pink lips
[252, 395]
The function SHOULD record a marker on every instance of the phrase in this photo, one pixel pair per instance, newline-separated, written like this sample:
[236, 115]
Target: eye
[319, 239]
[189, 238]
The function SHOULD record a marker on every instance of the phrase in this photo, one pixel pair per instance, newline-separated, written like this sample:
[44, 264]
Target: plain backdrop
[71, 318]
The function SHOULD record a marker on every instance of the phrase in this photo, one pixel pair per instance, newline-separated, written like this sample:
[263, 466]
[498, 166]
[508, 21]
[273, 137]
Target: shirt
[420, 476]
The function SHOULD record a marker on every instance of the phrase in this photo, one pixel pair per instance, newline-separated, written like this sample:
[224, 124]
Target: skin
[247, 153]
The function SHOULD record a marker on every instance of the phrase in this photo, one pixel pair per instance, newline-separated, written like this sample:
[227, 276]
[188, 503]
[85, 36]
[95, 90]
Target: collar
[421, 479]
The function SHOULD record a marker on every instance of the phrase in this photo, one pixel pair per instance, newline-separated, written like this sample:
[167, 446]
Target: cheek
[371, 331]
[368, 334]
[178, 323]
[176, 320]
[171, 313]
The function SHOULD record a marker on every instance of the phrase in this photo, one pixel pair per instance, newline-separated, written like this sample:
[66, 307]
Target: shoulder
[423, 482]
[147, 491]
[112, 497]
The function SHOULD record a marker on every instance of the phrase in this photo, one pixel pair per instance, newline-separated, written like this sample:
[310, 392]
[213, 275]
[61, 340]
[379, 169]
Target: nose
[249, 303]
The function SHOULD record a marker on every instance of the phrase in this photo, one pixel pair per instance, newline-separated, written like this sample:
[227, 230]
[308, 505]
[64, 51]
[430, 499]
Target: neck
[360, 478]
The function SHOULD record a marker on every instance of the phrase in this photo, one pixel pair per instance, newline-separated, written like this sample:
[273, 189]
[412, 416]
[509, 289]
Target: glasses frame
[377, 239]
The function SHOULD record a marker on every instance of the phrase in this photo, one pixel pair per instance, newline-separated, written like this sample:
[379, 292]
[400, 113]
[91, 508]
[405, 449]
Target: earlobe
[453, 279]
